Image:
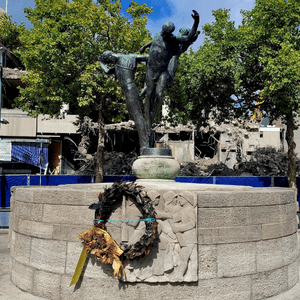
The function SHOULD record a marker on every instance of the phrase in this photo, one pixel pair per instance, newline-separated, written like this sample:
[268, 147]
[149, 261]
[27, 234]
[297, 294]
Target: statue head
[108, 57]
[168, 28]
[184, 31]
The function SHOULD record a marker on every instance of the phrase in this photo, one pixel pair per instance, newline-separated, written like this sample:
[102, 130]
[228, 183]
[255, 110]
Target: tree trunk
[291, 151]
[100, 146]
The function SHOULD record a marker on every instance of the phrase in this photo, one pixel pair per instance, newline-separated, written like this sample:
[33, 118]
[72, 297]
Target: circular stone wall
[246, 245]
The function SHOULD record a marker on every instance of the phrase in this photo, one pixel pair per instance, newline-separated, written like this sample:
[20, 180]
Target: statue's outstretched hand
[195, 15]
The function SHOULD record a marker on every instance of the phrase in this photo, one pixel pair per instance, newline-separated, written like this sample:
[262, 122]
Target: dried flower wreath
[97, 241]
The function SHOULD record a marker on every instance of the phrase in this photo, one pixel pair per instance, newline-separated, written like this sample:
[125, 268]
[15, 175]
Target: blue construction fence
[8, 181]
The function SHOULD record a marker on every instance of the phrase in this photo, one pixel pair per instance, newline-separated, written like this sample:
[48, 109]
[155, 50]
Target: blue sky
[177, 11]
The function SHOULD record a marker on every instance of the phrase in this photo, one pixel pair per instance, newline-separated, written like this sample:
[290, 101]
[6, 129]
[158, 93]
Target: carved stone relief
[173, 258]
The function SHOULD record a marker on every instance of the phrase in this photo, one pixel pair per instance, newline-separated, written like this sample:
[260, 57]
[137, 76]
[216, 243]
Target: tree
[273, 45]
[61, 52]
[238, 67]
[9, 32]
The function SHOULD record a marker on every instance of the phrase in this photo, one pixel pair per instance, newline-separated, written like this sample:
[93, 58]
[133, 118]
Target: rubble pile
[266, 162]
[263, 162]
[206, 167]
[118, 163]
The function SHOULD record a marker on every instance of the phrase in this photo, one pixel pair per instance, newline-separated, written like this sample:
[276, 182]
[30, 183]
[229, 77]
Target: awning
[35, 154]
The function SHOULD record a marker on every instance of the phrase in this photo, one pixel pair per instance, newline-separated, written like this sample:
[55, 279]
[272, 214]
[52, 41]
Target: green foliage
[61, 53]
[204, 80]
[9, 32]
[238, 67]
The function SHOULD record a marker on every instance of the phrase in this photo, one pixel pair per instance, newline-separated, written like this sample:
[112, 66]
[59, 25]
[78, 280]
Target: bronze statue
[124, 70]
[162, 48]
[165, 50]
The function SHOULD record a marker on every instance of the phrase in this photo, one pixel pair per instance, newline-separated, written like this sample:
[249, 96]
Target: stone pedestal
[245, 244]
[156, 163]
[156, 167]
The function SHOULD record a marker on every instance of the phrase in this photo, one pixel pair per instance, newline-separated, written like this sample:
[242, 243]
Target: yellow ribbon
[116, 263]
[79, 267]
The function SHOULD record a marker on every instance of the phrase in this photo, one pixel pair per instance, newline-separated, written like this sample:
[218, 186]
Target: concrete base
[247, 243]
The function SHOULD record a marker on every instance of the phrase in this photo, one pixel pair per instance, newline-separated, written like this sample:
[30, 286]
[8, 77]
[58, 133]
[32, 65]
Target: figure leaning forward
[124, 70]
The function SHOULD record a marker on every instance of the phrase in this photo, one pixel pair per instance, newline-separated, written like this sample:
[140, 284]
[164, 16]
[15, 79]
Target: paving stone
[48, 255]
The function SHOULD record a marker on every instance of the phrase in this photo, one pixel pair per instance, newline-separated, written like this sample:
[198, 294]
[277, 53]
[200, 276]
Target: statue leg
[160, 86]
[149, 99]
[134, 108]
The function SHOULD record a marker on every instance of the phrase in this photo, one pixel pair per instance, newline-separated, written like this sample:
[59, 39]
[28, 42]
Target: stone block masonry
[245, 244]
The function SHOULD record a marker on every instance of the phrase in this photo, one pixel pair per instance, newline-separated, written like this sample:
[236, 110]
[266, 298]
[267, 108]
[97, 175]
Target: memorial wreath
[97, 241]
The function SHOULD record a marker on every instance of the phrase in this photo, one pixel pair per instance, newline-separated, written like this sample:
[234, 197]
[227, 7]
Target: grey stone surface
[293, 274]
[222, 217]
[14, 222]
[46, 284]
[66, 196]
[291, 210]
[207, 260]
[238, 288]
[28, 211]
[67, 232]
[265, 215]
[24, 194]
[236, 259]
[269, 283]
[22, 276]
[202, 290]
[93, 267]
[247, 198]
[275, 230]
[21, 247]
[48, 255]
[246, 250]
[290, 251]
[239, 234]
[64, 214]
[35, 229]
[269, 255]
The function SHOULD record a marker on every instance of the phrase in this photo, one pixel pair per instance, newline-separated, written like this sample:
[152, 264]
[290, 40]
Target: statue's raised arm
[193, 31]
